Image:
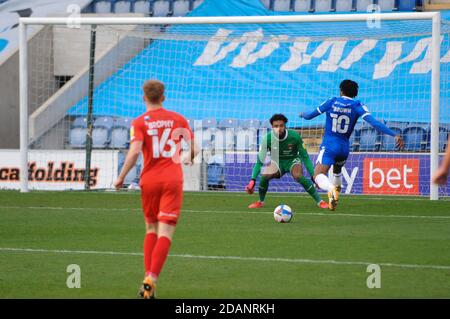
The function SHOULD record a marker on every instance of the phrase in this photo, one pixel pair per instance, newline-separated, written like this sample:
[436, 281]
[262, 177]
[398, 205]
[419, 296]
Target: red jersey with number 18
[161, 132]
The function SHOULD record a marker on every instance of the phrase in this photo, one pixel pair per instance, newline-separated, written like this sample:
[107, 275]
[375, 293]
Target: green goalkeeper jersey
[284, 152]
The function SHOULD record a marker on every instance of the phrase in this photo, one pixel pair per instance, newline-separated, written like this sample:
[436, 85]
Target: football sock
[337, 179]
[323, 182]
[149, 243]
[309, 187]
[159, 256]
[263, 186]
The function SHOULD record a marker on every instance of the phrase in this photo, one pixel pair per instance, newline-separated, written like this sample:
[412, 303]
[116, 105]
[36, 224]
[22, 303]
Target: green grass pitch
[222, 249]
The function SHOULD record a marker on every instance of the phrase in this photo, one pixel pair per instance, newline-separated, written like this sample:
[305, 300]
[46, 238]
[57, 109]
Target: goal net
[228, 79]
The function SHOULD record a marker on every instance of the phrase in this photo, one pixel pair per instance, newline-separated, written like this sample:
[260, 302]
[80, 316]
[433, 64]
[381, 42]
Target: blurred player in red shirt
[158, 134]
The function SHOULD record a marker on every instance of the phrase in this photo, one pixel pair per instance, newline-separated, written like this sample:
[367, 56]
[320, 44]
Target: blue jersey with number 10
[342, 114]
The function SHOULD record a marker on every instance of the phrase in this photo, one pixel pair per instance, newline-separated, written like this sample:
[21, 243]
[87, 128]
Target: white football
[282, 214]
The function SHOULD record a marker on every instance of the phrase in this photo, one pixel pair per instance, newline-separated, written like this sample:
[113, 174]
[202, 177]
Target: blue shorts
[333, 153]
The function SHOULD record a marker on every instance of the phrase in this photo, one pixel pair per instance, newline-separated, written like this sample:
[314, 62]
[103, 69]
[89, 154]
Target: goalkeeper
[287, 153]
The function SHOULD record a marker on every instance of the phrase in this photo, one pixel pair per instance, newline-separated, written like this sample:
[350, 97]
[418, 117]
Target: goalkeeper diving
[287, 154]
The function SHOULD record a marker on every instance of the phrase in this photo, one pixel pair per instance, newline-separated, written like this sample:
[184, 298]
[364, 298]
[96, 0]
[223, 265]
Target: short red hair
[154, 91]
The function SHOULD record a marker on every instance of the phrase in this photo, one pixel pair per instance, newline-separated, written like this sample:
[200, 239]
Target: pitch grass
[363, 229]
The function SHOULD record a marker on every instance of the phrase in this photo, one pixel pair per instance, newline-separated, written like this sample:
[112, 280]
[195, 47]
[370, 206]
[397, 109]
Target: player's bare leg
[270, 172]
[321, 179]
[296, 172]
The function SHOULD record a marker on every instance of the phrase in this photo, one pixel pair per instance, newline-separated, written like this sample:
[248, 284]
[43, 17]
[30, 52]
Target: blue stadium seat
[388, 142]
[224, 139]
[302, 5]
[77, 134]
[247, 139]
[122, 6]
[355, 137]
[120, 132]
[323, 5]
[101, 131]
[103, 6]
[142, 6]
[209, 123]
[444, 130]
[343, 5]
[229, 123]
[282, 5]
[387, 5]
[216, 171]
[181, 7]
[162, 8]
[407, 5]
[251, 123]
[415, 136]
[369, 139]
[197, 3]
[362, 5]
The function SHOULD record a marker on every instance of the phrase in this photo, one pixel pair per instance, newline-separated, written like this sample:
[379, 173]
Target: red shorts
[161, 202]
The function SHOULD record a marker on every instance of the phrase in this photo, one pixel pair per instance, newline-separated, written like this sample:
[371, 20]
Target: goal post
[433, 17]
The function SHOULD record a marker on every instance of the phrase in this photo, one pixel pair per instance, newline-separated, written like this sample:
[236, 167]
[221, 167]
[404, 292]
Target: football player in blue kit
[342, 113]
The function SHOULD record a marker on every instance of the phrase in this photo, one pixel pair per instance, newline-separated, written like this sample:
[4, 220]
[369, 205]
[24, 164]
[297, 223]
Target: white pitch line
[239, 258]
[330, 214]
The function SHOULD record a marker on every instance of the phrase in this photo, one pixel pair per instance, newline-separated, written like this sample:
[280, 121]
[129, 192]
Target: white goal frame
[435, 17]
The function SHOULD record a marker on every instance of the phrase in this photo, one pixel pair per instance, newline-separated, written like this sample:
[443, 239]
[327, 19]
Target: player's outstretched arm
[130, 161]
[440, 177]
[325, 106]
[310, 115]
[399, 143]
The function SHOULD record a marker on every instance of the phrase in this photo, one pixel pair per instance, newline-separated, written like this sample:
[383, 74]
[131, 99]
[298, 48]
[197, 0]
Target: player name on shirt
[159, 124]
[341, 110]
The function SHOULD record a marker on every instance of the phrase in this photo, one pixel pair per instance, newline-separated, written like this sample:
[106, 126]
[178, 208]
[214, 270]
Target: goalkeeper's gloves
[250, 186]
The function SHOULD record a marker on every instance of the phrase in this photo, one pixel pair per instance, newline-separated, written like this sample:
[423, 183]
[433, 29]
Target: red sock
[149, 244]
[159, 255]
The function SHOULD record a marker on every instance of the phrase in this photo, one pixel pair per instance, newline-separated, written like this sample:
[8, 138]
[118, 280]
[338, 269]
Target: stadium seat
[388, 142]
[369, 140]
[246, 139]
[323, 5]
[181, 7]
[162, 8]
[251, 123]
[302, 5]
[77, 134]
[407, 5]
[228, 123]
[443, 137]
[209, 123]
[362, 5]
[415, 136]
[216, 171]
[142, 6]
[101, 131]
[205, 138]
[119, 132]
[344, 5]
[282, 5]
[354, 138]
[387, 5]
[122, 6]
[224, 139]
[103, 6]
